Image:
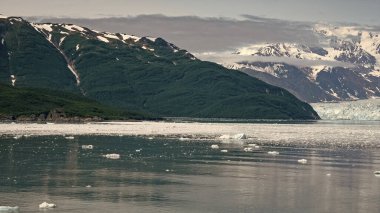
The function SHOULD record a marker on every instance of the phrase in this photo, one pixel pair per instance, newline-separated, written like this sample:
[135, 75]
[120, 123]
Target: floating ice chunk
[248, 149]
[9, 209]
[302, 161]
[224, 150]
[273, 153]
[17, 137]
[377, 173]
[328, 174]
[257, 147]
[88, 186]
[225, 137]
[138, 150]
[87, 147]
[251, 144]
[184, 139]
[46, 205]
[112, 156]
[215, 146]
[150, 138]
[240, 136]
[70, 137]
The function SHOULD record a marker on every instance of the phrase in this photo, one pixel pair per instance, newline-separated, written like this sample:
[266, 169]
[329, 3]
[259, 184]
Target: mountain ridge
[346, 56]
[137, 73]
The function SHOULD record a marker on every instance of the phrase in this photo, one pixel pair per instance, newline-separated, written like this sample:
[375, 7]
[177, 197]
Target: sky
[351, 11]
[210, 29]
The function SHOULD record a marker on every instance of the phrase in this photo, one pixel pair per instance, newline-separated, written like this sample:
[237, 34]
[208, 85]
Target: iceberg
[112, 156]
[46, 205]
[9, 209]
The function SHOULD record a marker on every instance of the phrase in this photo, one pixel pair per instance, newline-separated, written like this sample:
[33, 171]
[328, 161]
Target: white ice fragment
[117, 59]
[240, 136]
[138, 150]
[46, 205]
[77, 47]
[88, 186]
[224, 150]
[9, 209]
[225, 137]
[87, 147]
[13, 79]
[215, 146]
[377, 173]
[112, 156]
[328, 174]
[273, 153]
[248, 149]
[2, 41]
[17, 137]
[69, 137]
[251, 144]
[150, 138]
[257, 147]
[302, 161]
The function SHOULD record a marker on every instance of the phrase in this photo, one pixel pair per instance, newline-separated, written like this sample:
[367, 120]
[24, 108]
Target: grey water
[169, 175]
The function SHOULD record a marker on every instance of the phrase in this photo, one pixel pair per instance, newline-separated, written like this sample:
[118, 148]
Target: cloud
[201, 34]
[228, 58]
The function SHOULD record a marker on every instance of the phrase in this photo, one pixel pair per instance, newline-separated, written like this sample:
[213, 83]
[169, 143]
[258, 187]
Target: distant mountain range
[344, 66]
[135, 73]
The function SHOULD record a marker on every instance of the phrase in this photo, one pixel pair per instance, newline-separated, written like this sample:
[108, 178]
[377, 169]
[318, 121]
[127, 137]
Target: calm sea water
[169, 175]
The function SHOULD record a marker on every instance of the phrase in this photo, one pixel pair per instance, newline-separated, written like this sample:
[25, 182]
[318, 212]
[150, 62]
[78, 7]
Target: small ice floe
[248, 149]
[215, 146]
[184, 139]
[235, 137]
[88, 186]
[138, 150]
[9, 209]
[273, 153]
[253, 145]
[302, 161]
[328, 174]
[224, 150]
[225, 137]
[46, 205]
[377, 173]
[112, 156]
[69, 137]
[87, 147]
[150, 138]
[240, 136]
[17, 137]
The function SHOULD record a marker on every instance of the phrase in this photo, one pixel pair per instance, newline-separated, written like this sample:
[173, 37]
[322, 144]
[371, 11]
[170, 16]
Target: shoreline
[321, 133]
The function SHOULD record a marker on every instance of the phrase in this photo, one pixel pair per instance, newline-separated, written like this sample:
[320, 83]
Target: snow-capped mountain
[344, 66]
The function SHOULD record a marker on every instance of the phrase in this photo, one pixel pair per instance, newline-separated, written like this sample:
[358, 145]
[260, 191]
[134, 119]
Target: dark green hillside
[142, 74]
[26, 54]
[19, 102]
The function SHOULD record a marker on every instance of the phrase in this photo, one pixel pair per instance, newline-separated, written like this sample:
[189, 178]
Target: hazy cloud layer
[202, 34]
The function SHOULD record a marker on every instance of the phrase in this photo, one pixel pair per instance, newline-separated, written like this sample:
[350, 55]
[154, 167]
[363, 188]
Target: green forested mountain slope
[147, 74]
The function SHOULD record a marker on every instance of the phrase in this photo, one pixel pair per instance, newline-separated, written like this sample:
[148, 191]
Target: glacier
[368, 109]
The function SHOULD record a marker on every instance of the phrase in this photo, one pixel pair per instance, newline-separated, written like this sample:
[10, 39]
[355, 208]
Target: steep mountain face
[147, 74]
[346, 65]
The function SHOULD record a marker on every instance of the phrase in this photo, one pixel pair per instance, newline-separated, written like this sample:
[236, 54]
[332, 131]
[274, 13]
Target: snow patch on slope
[101, 38]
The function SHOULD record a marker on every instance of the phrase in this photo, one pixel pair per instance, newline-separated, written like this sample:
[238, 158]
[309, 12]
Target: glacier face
[349, 110]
